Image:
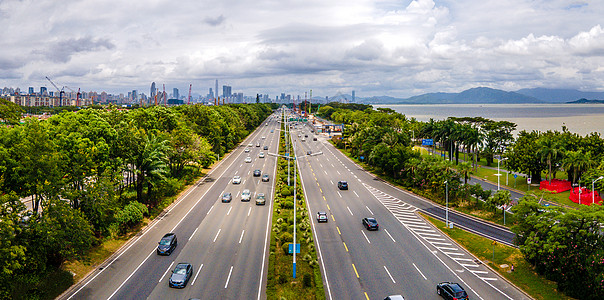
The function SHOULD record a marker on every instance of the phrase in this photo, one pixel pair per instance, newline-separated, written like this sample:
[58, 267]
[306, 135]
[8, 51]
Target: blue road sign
[291, 248]
[515, 176]
[427, 142]
[362, 157]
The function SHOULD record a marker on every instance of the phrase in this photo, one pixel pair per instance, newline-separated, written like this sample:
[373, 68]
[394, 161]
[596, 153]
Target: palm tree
[549, 151]
[465, 168]
[577, 162]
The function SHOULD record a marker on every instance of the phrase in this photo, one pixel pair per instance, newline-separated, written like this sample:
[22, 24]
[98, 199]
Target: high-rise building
[153, 91]
[175, 94]
[353, 97]
[43, 91]
[211, 94]
[31, 90]
[226, 91]
[134, 95]
[216, 90]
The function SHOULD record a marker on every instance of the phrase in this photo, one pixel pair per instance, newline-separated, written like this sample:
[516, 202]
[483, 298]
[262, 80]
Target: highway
[226, 243]
[405, 256]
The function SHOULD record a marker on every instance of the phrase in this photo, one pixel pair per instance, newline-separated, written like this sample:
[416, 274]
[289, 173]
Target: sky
[393, 48]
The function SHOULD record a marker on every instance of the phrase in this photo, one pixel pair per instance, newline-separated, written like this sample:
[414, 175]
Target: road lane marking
[369, 209]
[320, 190]
[331, 181]
[328, 207]
[244, 182]
[237, 194]
[338, 172]
[363, 232]
[332, 166]
[324, 198]
[333, 218]
[355, 192]
[228, 212]
[366, 297]
[249, 211]
[124, 282]
[389, 235]
[325, 172]
[240, 238]
[236, 172]
[339, 194]
[355, 271]
[350, 211]
[228, 278]
[345, 246]
[197, 274]
[217, 233]
[389, 274]
[193, 233]
[210, 210]
[338, 228]
[420, 272]
[169, 268]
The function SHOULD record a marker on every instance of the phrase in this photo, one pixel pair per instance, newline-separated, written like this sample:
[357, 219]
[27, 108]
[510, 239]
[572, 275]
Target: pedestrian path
[406, 214]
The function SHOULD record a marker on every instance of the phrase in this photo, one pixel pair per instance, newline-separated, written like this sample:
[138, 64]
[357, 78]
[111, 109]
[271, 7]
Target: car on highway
[167, 244]
[247, 150]
[246, 195]
[260, 199]
[451, 290]
[265, 148]
[258, 144]
[250, 145]
[272, 131]
[265, 178]
[227, 197]
[257, 173]
[308, 152]
[248, 159]
[263, 137]
[306, 135]
[180, 276]
[303, 139]
[261, 154]
[370, 223]
[394, 297]
[314, 139]
[343, 185]
[322, 217]
[236, 179]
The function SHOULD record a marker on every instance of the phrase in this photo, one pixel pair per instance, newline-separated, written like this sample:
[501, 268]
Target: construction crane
[77, 95]
[190, 86]
[61, 92]
[165, 96]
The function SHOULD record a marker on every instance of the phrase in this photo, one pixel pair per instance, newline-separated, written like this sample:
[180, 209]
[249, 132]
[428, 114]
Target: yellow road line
[366, 296]
[345, 246]
[324, 198]
[328, 207]
[320, 189]
[355, 270]
[333, 218]
[338, 228]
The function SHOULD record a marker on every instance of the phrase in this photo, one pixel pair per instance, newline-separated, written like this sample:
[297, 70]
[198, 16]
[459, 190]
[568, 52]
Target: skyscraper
[43, 90]
[153, 91]
[31, 90]
[216, 90]
[175, 94]
[226, 91]
[353, 96]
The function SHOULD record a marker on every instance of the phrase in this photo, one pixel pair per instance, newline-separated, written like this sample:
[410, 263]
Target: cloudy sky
[396, 48]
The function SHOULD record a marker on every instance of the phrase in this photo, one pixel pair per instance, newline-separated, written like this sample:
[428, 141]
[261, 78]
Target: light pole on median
[498, 173]
[447, 203]
[593, 192]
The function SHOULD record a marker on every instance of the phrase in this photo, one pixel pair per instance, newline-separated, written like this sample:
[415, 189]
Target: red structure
[557, 185]
[586, 196]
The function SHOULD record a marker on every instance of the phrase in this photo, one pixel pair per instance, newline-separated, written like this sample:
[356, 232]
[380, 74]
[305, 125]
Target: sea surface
[578, 118]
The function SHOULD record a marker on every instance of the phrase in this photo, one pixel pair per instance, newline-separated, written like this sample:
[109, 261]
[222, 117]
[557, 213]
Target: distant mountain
[585, 101]
[559, 95]
[480, 95]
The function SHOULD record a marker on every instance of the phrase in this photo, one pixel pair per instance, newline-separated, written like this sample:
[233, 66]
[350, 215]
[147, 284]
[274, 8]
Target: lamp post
[447, 203]
[499, 174]
[295, 248]
[593, 192]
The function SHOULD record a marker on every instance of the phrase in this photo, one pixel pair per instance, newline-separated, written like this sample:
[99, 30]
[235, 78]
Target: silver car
[236, 179]
[260, 200]
[261, 154]
[246, 195]
[248, 159]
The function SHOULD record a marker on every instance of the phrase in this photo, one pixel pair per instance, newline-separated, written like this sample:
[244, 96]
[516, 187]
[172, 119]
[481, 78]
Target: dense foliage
[95, 173]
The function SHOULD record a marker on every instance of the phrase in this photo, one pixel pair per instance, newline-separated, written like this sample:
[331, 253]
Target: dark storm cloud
[214, 21]
[62, 51]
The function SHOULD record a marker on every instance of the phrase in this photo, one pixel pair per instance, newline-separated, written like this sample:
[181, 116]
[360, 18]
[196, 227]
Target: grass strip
[497, 256]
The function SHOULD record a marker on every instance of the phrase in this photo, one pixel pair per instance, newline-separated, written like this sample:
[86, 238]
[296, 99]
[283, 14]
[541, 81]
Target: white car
[250, 145]
[248, 159]
[246, 195]
[236, 179]
[247, 150]
[263, 137]
[261, 155]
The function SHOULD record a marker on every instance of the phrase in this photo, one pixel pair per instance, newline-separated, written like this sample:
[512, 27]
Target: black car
[343, 185]
[308, 152]
[227, 197]
[314, 139]
[257, 173]
[306, 135]
[322, 217]
[370, 223]
[451, 290]
[167, 244]
[180, 276]
[265, 148]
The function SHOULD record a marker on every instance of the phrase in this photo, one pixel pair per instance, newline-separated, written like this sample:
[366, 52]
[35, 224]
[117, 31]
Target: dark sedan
[343, 185]
[167, 244]
[450, 291]
[257, 173]
[370, 223]
[180, 276]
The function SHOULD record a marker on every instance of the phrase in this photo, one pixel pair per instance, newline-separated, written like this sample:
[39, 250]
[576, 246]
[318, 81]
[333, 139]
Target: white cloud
[388, 47]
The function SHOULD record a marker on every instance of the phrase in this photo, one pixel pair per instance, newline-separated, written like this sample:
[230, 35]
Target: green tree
[523, 156]
[550, 153]
[10, 113]
[500, 199]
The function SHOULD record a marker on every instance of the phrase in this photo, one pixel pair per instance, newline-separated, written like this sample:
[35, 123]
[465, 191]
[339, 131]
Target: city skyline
[394, 48]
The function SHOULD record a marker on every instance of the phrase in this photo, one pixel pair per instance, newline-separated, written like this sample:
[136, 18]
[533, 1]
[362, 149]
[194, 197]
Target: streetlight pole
[498, 173]
[593, 192]
[295, 248]
[447, 203]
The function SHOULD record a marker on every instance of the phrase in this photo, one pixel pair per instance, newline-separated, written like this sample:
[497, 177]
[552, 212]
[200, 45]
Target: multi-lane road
[227, 243]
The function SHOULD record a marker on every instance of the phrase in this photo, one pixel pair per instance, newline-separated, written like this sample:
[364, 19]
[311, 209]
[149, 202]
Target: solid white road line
[228, 278]
[363, 232]
[350, 211]
[167, 270]
[369, 209]
[389, 274]
[420, 272]
[197, 274]
[241, 236]
[193, 233]
[217, 233]
[138, 267]
[389, 235]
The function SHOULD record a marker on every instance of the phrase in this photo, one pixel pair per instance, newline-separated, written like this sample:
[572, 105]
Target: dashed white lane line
[197, 274]
[167, 270]
[420, 272]
[228, 278]
[193, 233]
[390, 235]
[210, 210]
[240, 238]
[369, 209]
[363, 232]
[339, 194]
[355, 192]
[350, 211]
[389, 274]
[228, 212]
[249, 211]
[217, 233]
